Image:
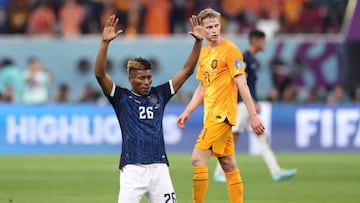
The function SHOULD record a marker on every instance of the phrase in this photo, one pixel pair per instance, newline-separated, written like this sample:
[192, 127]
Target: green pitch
[322, 178]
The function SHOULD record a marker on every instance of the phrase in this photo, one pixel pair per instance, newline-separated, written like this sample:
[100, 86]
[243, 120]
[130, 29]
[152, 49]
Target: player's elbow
[98, 73]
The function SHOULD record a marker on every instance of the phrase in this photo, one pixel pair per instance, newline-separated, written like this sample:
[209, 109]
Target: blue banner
[91, 128]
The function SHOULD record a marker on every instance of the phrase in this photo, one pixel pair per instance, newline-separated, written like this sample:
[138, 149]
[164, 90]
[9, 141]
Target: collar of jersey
[138, 95]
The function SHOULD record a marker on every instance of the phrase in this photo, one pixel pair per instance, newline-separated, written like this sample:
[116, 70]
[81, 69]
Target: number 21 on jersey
[146, 112]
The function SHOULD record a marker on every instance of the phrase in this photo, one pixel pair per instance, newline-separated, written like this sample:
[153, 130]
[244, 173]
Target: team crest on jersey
[214, 64]
[239, 64]
[153, 99]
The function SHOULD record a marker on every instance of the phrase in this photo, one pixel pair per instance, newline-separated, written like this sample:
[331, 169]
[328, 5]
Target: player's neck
[213, 44]
[252, 50]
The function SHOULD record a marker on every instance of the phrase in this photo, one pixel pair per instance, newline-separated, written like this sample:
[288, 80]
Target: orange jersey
[217, 68]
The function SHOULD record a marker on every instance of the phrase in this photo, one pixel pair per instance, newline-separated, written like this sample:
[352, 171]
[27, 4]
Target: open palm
[197, 28]
[109, 32]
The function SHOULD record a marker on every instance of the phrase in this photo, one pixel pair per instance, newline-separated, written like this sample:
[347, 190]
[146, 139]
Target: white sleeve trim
[112, 93]
[171, 87]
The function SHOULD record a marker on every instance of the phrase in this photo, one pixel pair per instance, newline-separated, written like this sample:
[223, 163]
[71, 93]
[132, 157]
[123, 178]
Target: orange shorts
[218, 138]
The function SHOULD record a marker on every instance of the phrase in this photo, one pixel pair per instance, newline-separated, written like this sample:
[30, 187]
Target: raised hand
[197, 29]
[109, 32]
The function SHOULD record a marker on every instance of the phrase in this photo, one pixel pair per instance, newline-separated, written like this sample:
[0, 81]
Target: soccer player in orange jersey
[257, 44]
[221, 72]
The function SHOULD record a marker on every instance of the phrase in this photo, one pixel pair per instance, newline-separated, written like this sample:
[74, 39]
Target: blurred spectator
[71, 16]
[290, 94]
[310, 20]
[157, 17]
[11, 83]
[62, 94]
[91, 22]
[17, 13]
[178, 15]
[36, 79]
[42, 19]
[272, 95]
[337, 95]
[3, 5]
[89, 94]
[280, 75]
[122, 9]
[232, 12]
[108, 9]
[201, 4]
[169, 16]
[312, 96]
[290, 15]
[297, 72]
[268, 17]
[136, 18]
[8, 95]
[357, 95]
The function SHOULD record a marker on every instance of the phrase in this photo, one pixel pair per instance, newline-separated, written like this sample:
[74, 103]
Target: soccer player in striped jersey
[257, 44]
[221, 72]
[143, 162]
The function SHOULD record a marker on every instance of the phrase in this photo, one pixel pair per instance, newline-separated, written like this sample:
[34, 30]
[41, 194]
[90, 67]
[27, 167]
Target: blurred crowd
[289, 86]
[31, 85]
[162, 17]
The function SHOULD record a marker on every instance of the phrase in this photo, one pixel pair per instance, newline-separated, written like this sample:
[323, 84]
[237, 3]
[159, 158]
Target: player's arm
[189, 66]
[196, 100]
[241, 83]
[109, 33]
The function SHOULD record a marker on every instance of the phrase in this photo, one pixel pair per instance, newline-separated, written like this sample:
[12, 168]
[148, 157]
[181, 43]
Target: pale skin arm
[255, 122]
[109, 33]
[196, 100]
[189, 66]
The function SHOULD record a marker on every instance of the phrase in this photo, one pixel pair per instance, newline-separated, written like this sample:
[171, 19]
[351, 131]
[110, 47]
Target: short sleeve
[235, 61]
[199, 72]
[116, 93]
[167, 90]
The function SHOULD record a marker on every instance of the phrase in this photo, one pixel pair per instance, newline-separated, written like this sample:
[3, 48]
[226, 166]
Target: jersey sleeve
[167, 90]
[234, 60]
[115, 94]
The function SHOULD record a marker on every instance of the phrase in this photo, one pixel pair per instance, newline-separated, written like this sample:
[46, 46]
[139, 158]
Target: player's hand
[109, 32]
[256, 125]
[180, 122]
[197, 29]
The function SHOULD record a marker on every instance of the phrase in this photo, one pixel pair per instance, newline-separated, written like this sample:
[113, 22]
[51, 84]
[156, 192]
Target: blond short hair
[208, 13]
[138, 64]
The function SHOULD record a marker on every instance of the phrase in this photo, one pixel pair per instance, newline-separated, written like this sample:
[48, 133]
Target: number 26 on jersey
[146, 112]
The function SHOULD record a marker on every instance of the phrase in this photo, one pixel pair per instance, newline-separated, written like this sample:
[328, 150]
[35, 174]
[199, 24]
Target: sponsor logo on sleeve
[239, 64]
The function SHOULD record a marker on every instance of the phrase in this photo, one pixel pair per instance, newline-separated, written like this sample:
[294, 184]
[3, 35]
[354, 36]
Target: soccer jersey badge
[153, 99]
[214, 64]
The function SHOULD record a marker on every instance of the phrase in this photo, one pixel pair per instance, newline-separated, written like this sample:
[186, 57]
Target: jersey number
[170, 198]
[146, 112]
